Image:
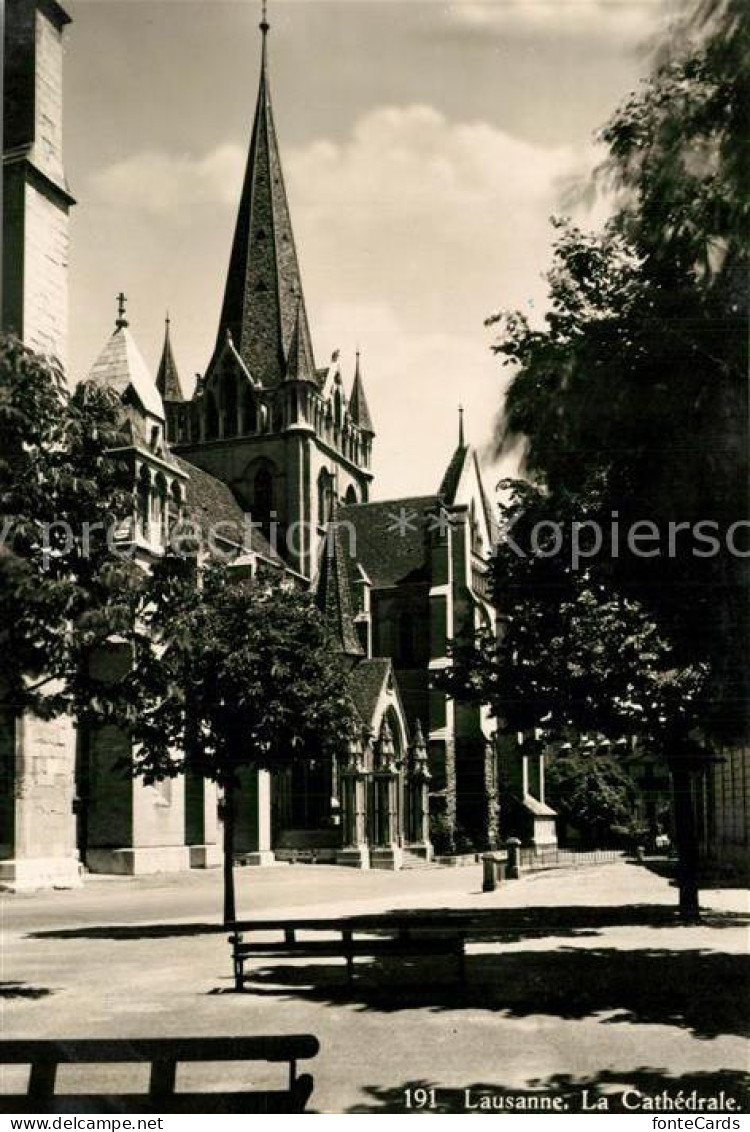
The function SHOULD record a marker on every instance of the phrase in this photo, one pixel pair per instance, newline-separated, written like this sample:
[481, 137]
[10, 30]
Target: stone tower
[36, 200]
[281, 432]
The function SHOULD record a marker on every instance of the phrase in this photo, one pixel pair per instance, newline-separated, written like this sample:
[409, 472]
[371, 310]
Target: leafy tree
[591, 792]
[577, 655]
[228, 672]
[631, 405]
[63, 496]
[636, 385]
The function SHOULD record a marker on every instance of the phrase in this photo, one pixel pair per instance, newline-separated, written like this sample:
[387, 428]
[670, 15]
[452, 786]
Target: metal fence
[565, 858]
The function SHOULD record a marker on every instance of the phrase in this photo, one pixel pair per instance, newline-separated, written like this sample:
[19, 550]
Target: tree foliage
[223, 672]
[591, 792]
[631, 399]
[62, 497]
[228, 672]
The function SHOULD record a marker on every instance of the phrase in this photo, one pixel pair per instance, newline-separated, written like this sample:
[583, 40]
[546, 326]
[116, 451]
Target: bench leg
[349, 970]
[301, 1092]
[239, 974]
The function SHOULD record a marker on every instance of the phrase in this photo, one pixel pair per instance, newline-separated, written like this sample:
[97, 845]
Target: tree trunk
[230, 911]
[686, 835]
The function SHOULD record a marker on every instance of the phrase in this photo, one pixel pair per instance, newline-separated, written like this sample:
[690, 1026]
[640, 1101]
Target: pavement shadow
[503, 924]
[23, 990]
[540, 921]
[705, 992]
[550, 1094]
[713, 876]
[130, 931]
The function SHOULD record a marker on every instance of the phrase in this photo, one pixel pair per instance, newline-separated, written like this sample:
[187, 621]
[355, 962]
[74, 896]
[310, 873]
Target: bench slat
[356, 947]
[258, 1101]
[283, 1047]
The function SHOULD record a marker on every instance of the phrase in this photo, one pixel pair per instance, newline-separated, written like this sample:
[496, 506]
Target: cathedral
[272, 436]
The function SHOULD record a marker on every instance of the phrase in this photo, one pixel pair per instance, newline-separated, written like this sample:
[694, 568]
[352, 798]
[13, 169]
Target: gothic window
[476, 535]
[249, 412]
[263, 494]
[230, 405]
[159, 505]
[143, 501]
[337, 408]
[325, 496]
[351, 495]
[278, 415]
[174, 507]
[212, 417]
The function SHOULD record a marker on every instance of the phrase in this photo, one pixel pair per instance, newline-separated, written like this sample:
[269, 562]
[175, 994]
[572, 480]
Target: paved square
[589, 982]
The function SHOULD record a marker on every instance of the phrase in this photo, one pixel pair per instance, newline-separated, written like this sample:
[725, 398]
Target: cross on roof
[121, 303]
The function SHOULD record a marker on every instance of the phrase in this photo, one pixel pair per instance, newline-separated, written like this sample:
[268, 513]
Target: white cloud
[620, 22]
[411, 231]
[442, 220]
[162, 184]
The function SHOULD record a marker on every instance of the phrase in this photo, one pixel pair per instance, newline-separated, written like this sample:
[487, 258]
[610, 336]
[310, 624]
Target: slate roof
[210, 501]
[358, 408]
[391, 551]
[264, 286]
[452, 477]
[365, 683]
[167, 378]
[121, 367]
[334, 596]
[298, 359]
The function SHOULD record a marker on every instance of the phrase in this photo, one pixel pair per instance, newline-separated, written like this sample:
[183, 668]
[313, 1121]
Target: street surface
[590, 984]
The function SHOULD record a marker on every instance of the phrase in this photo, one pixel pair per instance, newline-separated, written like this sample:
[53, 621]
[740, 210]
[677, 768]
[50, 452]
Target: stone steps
[412, 860]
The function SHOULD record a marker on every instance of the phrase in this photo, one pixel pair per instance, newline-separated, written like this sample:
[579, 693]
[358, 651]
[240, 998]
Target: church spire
[334, 596]
[263, 299]
[299, 363]
[358, 408]
[167, 378]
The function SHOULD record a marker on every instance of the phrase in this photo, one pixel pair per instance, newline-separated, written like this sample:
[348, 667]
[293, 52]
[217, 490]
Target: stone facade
[419, 572]
[722, 805]
[36, 200]
[267, 436]
[37, 793]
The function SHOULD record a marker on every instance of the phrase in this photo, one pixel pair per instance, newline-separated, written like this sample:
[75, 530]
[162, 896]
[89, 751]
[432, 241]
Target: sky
[425, 146]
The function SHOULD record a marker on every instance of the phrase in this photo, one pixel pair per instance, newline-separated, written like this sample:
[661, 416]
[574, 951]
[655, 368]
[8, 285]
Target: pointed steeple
[358, 407]
[167, 378]
[263, 300]
[121, 367]
[334, 596]
[454, 471]
[299, 363]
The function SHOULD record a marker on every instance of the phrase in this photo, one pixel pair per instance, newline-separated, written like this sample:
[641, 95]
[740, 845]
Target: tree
[631, 405]
[637, 383]
[576, 654]
[228, 672]
[63, 497]
[591, 792]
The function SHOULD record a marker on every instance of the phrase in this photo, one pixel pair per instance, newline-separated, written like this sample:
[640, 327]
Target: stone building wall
[37, 791]
[47, 252]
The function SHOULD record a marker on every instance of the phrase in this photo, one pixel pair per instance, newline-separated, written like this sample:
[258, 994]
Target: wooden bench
[367, 936]
[164, 1055]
